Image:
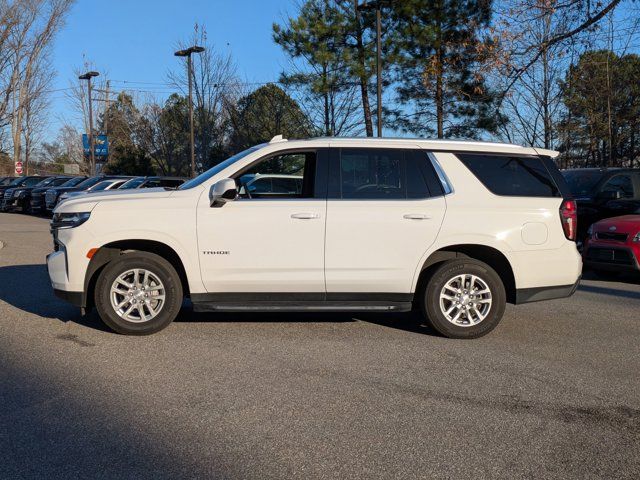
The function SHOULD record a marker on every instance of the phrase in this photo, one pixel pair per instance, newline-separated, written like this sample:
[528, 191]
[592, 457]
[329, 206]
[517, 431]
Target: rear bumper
[539, 294]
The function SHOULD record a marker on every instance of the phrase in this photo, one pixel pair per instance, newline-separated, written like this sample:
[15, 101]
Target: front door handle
[305, 216]
[416, 216]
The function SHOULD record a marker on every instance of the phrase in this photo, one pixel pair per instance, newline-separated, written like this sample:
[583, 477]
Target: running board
[326, 306]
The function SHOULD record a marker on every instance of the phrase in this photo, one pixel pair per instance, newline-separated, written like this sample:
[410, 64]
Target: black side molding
[323, 306]
[528, 295]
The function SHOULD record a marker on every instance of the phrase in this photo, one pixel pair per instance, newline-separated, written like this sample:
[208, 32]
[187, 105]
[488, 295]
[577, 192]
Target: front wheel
[138, 294]
[464, 299]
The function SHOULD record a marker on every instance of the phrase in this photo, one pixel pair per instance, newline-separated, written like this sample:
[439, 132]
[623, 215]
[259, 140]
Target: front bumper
[611, 258]
[37, 203]
[13, 204]
[74, 298]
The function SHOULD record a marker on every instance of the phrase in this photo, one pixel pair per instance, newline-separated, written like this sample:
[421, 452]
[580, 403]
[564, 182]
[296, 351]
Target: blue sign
[100, 146]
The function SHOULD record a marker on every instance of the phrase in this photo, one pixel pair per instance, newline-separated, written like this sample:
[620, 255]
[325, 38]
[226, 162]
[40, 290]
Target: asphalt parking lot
[553, 392]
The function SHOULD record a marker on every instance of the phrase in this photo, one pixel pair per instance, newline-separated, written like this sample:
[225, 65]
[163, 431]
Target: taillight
[569, 218]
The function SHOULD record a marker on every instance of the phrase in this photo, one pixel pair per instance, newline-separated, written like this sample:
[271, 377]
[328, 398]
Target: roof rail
[278, 139]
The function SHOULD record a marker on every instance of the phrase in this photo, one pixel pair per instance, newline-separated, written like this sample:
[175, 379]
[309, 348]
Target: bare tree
[36, 24]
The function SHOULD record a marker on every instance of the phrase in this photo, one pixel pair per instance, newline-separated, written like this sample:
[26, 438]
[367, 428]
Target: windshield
[581, 183]
[133, 183]
[203, 177]
[45, 182]
[101, 186]
[59, 181]
[18, 181]
[89, 182]
[73, 182]
[31, 181]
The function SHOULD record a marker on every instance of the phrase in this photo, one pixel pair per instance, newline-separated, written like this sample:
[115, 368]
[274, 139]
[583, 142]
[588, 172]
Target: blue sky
[134, 40]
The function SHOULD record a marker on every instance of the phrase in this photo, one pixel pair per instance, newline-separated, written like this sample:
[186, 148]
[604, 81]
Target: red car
[613, 245]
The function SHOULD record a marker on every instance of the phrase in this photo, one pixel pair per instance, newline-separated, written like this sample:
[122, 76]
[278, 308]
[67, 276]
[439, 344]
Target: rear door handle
[305, 216]
[416, 216]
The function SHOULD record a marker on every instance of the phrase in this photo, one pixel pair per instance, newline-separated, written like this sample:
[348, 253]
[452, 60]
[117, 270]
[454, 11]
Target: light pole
[377, 6]
[87, 76]
[187, 53]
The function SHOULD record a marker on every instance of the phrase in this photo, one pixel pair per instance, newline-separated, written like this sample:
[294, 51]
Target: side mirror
[222, 191]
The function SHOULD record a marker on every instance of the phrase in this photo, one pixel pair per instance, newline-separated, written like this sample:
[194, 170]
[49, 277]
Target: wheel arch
[487, 254]
[113, 250]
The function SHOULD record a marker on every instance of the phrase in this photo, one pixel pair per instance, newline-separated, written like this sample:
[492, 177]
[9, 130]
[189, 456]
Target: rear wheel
[464, 299]
[138, 294]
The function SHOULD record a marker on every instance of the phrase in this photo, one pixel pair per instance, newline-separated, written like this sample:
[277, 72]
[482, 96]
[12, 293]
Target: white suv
[456, 229]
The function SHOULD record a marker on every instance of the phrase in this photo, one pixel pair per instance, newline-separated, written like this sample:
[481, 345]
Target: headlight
[590, 231]
[17, 193]
[637, 237]
[69, 220]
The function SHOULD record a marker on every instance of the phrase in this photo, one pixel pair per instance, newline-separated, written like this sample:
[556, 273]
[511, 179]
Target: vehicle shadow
[27, 287]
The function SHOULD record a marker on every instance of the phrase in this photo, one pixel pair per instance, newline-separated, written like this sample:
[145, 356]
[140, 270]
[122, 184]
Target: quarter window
[510, 175]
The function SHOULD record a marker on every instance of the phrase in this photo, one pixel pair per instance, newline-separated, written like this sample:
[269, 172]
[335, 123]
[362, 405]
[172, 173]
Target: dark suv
[52, 195]
[20, 200]
[7, 191]
[603, 193]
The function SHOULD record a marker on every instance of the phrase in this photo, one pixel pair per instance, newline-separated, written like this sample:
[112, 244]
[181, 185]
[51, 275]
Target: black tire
[443, 274]
[159, 267]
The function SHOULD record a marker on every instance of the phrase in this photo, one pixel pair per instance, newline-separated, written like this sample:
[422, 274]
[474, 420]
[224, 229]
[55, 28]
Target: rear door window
[381, 174]
[510, 175]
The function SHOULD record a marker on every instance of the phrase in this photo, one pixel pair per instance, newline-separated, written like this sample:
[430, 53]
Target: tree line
[549, 73]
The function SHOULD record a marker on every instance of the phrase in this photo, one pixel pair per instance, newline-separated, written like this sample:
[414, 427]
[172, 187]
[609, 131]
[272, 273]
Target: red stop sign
[19, 168]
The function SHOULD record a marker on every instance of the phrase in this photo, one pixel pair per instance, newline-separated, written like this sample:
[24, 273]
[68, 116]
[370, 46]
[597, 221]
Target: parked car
[20, 198]
[52, 196]
[104, 185]
[456, 229]
[153, 182]
[613, 245]
[602, 193]
[267, 184]
[7, 191]
[37, 201]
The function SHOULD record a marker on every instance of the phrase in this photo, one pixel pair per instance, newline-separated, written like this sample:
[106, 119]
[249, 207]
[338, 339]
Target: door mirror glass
[222, 191]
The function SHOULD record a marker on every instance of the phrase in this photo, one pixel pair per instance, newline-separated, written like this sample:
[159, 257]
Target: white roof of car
[452, 145]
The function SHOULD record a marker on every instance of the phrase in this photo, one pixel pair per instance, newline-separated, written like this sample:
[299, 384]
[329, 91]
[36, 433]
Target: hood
[90, 200]
[623, 224]
[60, 190]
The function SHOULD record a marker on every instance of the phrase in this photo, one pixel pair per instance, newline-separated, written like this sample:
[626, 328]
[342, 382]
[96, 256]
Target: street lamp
[377, 6]
[87, 76]
[187, 53]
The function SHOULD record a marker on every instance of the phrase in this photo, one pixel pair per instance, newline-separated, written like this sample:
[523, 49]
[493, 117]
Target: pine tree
[439, 51]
